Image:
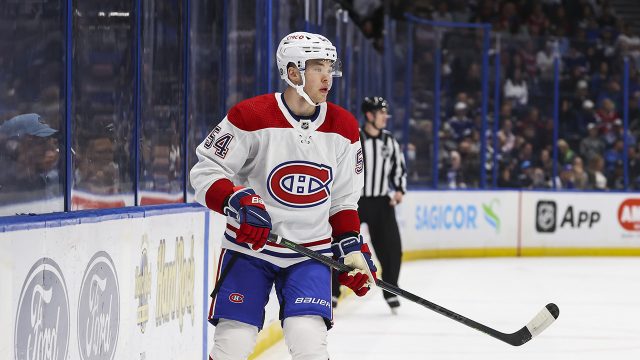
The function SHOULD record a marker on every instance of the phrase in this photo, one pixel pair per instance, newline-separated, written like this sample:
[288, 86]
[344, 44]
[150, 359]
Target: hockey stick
[540, 322]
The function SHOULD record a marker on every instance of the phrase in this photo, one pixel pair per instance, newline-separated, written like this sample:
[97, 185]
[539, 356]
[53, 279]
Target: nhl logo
[386, 151]
[304, 125]
[546, 216]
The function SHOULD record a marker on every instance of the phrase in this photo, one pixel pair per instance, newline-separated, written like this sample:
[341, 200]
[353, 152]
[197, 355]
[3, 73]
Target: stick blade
[537, 325]
[544, 318]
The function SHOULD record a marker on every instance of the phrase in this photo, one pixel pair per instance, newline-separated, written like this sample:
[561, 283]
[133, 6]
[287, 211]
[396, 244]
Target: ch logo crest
[300, 184]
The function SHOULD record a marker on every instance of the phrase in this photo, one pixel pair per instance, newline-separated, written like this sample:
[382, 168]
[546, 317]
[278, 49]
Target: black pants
[385, 238]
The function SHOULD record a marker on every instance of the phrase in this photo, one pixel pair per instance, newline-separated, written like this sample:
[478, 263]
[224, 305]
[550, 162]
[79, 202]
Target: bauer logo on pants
[42, 320]
[99, 309]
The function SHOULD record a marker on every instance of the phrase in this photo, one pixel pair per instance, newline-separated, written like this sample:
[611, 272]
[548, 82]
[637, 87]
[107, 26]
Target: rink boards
[134, 283]
[124, 285]
[519, 223]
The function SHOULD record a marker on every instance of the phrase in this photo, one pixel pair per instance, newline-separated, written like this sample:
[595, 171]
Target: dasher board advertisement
[584, 220]
[458, 219]
[128, 288]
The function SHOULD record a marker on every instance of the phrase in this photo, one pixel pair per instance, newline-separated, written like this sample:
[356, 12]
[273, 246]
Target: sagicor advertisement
[454, 220]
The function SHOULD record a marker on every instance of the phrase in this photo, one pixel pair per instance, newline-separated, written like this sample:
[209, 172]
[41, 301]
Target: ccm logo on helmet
[300, 184]
[236, 298]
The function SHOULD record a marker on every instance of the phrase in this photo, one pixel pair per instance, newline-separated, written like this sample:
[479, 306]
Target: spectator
[528, 56]
[505, 180]
[525, 178]
[29, 158]
[606, 18]
[459, 10]
[613, 92]
[509, 20]
[616, 177]
[97, 171]
[634, 167]
[537, 22]
[585, 115]
[460, 123]
[442, 13]
[525, 153]
[516, 89]
[613, 156]
[560, 25]
[581, 179]
[545, 60]
[634, 114]
[506, 138]
[628, 44]
[540, 180]
[599, 79]
[607, 115]
[606, 45]
[597, 180]
[565, 154]
[546, 163]
[453, 178]
[566, 178]
[591, 145]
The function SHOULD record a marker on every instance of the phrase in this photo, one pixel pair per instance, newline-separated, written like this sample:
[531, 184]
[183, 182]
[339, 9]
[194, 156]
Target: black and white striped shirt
[384, 168]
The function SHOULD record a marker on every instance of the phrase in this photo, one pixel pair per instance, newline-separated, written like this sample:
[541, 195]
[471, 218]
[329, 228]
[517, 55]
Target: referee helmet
[373, 104]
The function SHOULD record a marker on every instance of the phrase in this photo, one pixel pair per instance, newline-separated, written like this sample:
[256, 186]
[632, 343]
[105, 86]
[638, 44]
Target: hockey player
[290, 163]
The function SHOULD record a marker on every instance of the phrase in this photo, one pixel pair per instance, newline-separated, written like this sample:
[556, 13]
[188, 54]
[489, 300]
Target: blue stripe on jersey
[273, 253]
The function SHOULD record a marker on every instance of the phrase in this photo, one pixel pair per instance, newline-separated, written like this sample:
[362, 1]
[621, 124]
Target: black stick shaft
[516, 339]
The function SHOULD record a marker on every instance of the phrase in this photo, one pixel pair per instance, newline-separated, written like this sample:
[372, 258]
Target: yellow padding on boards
[268, 337]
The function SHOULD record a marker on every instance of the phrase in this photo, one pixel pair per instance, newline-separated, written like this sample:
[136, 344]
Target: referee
[385, 183]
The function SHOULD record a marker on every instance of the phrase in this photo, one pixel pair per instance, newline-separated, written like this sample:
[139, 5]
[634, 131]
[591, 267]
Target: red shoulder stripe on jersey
[344, 221]
[257, 113]
[217, 193]
[339, 121]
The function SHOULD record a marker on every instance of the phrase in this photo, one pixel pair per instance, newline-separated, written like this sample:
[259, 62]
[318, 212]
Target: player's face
[318, 79]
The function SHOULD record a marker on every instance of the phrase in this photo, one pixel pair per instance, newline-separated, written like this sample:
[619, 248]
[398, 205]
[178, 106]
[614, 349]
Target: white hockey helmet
[297, 48]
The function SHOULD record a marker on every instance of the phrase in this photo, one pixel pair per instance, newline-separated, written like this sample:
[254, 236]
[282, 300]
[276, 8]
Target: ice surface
[599, 300]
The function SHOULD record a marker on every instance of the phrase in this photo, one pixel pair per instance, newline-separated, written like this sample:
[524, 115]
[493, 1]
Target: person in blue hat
[30, 159]
[525, 178]
[26, 124]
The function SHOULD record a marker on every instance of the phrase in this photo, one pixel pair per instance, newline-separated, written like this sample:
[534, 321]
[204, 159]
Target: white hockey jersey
[309, 172]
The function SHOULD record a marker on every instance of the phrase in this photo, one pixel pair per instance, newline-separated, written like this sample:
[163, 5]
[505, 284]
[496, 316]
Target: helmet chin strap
[300, 89]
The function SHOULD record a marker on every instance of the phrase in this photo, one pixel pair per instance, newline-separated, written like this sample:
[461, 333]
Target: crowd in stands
[591, 42]
[32, 81]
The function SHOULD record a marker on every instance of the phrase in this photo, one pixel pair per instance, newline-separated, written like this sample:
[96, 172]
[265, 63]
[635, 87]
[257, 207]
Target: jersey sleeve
[349, 180]
[220, 156]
